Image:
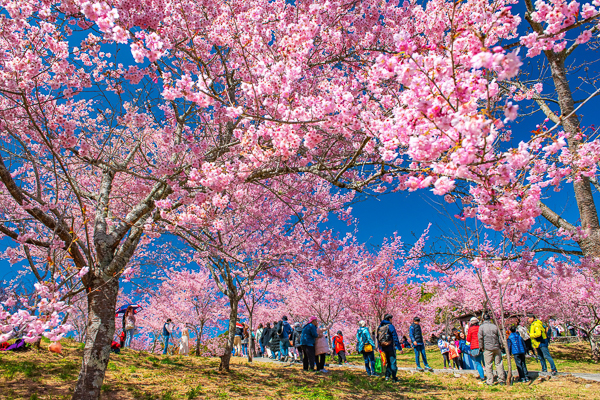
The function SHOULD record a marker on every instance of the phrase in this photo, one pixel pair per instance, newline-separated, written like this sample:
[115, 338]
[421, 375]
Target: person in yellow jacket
[539, 340]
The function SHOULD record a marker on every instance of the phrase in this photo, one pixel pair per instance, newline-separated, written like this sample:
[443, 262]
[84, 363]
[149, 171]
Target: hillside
[139, 375]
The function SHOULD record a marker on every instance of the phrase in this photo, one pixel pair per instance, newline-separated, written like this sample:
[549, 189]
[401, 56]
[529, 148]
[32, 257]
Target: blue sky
[410, 213]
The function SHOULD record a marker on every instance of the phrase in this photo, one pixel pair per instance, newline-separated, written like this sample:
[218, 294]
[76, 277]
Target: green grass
[25, 368]
[573, 357]
[138, 376]
[194, 392]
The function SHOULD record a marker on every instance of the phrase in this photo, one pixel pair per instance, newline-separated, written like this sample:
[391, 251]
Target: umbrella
[136, 308]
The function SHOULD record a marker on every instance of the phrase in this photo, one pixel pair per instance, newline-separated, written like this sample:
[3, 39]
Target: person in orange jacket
[339, 348]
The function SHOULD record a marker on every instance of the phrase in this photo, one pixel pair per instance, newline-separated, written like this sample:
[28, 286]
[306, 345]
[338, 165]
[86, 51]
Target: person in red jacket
[339, 348]
[474, 345]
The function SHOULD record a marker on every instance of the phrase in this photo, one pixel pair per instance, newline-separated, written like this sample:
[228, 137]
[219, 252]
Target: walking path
[532, 374]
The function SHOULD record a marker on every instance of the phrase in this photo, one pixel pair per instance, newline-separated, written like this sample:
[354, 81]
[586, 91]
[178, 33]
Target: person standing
[266, 339]
[245, 339]
[259, 333]
[454, 353]
[307, 342]
[297, 336]
[539, 341]
[237, 338]
[339, 347]
[416, 337]
[516, 346]
[524, 333]
[284, 332]
[489, 338]
[184, 345]
[473, 340]
[387, 338]
[167, 329]
[444, 347]
[274, 343]
[129, 325]
[321, 349]
[366, 346]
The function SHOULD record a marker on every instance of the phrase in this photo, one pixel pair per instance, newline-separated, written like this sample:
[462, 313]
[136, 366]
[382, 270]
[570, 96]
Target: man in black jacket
[266, 338]
[387, 339]
[416, 337]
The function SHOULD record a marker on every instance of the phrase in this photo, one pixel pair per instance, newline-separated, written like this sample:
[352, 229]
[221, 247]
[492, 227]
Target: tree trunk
[102, 300]
[233, 313]
[250, 340]
[500, 326]
[590, 246]
[595, 347]
[502, 330]
[156, 336]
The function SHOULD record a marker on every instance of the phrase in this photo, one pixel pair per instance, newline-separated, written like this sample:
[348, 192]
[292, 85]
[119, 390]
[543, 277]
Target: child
[454, 353]
[444, 349]
[339, 348]
[516, 346]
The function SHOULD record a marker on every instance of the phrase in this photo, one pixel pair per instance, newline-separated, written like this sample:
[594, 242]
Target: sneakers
[419, 369]
[428, 368]
[553, 373]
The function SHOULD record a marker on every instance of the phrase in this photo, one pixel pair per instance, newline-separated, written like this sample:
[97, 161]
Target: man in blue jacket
[284, 342]
[416, 337]
[307, 342]
[388, 342]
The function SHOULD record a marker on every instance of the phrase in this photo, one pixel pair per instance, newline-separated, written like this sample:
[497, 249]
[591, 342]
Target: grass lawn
[572, 357]
[136, 375]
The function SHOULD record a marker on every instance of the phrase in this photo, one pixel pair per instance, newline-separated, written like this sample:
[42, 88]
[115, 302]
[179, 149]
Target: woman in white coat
[184, 346]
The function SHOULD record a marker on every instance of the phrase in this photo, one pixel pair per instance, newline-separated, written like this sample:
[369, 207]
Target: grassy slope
[572, 357]
[133, 375]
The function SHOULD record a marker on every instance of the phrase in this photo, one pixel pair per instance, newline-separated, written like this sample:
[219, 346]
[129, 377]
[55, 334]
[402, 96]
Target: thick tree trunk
[102, 299]
[595, 347]
[233, 313]
[590, 246]
[250, 341]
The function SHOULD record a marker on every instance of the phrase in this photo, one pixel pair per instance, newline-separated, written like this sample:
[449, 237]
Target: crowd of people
[478, 346]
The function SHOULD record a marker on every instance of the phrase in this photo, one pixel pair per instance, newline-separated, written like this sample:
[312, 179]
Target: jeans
[391, 369]
[128, 337]
[262, 349]
[446, 359]
[166, 342]
[544, 354]
[478, 367]
[492, 357]
[308, 357]
[521, 365]
[420, 349]
[341, 357]
[244, 349]
[284, 345]
[369, 358]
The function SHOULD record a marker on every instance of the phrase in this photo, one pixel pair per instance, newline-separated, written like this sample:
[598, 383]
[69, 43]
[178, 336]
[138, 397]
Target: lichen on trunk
[102, 299]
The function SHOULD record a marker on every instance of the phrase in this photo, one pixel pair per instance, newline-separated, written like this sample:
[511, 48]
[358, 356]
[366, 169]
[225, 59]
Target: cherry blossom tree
[190, 298]
[366, 95]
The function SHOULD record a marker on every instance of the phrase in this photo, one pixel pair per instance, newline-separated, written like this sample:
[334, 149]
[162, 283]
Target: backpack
[280, 329]
[384, 337]
[19, 345]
